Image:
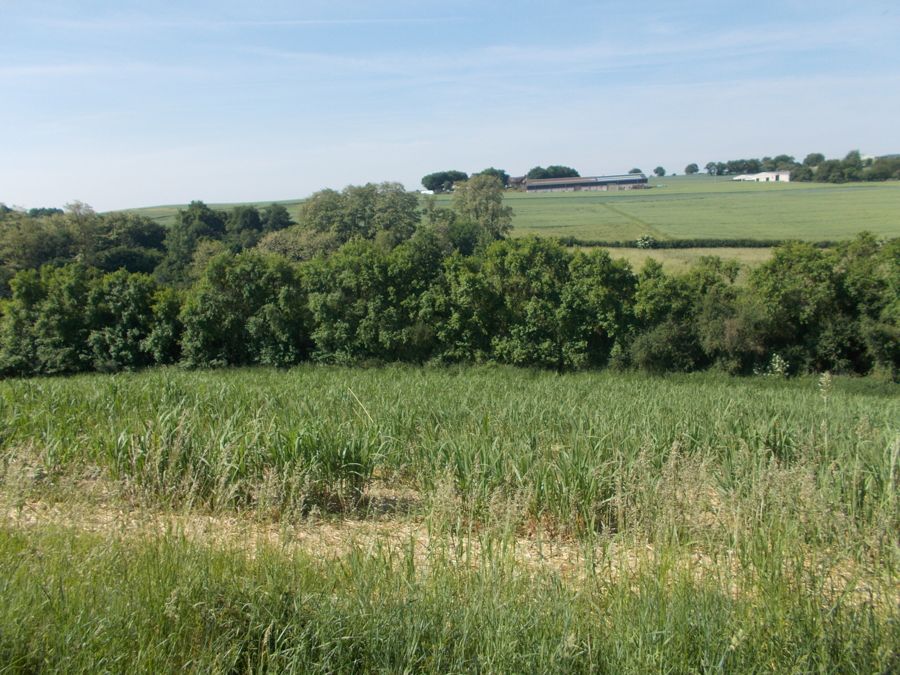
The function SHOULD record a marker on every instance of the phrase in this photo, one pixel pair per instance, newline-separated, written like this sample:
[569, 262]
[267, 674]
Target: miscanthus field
[394, 519]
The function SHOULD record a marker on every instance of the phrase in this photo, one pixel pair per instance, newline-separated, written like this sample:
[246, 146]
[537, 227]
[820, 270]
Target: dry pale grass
[99, 509]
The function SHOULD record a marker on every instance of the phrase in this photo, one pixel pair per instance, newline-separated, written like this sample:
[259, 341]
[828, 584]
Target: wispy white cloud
[142, 22]
[36, 71]
[603, 55]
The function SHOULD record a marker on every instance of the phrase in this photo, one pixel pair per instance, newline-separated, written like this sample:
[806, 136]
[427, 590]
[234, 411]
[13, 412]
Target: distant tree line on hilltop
[369, 274]
[815, 167]
[444, 181]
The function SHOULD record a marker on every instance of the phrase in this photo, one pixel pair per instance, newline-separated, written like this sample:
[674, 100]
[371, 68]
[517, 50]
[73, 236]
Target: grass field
[698, 207]
[492, 519]
[675, 260]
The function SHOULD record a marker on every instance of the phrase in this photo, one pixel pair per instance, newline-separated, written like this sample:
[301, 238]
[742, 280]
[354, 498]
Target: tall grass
[723, 524]
[588, 451]
[77, 604]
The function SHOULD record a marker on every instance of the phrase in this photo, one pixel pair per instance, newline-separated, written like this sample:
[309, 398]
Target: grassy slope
[703, 207]
[736, 525]
[681, 259]
[698, 207]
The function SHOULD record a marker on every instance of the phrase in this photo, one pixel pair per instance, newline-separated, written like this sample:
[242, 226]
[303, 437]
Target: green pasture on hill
[705, 207]
[682, 207]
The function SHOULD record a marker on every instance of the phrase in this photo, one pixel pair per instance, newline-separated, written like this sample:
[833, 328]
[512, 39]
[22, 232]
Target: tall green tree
[121, 318]
[443, 181]
[464, 309]
[243, 227]
[480, 201]
[247, 309]
[63, 322]
[598, 308]
[813, 159]
[385, 211]
[18, 340]
[499, 173]
[275, 217]
[530, 276]
[800, 288]
[194, 224]
[552, 171]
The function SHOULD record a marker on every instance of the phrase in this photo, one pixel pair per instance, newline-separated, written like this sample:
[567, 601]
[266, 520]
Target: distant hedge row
[652, 243]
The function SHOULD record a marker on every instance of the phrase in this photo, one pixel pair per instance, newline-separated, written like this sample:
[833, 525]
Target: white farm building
[765, 177]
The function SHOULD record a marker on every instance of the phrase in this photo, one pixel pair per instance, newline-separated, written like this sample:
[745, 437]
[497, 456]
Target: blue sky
[138, 103]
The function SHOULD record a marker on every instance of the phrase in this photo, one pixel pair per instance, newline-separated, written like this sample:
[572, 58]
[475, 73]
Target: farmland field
[453, 519]
[703, 207]
[676, 260]
[696, 207]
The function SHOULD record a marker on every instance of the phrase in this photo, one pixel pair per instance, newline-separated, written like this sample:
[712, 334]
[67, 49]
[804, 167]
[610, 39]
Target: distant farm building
[765, 177]
[628, 181]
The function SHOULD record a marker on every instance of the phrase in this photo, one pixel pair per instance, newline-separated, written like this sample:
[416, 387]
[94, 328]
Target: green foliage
[799, 287]
[597, 308]
[802, 173]
[247, 308]
[813, 159]
[107, 242]
[275, 217]
[196, 223]
[299, 243]
[659, 171]
[163, 342]
[243, 227]
[452, 294]
[62, 323]
[443, 181]
[529, 276]
[691, 169]
[498, 173]
[122, 318]
[386, 212]
[365, 301]
[18, 348]
[464, 310]
[479, 200]
[553, 171]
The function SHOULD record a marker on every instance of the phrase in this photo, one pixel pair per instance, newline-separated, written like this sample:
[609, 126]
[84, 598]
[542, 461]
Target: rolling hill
[692, 207]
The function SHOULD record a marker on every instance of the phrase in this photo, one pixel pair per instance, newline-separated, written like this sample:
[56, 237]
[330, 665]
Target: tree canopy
[443, 181]
[385, 211]
[498, 173]
[553, 171]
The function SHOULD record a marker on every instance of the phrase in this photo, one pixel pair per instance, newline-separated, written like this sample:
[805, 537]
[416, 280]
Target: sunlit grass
[595, 521]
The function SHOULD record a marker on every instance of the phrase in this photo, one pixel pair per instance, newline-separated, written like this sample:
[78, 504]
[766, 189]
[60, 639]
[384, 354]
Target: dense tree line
[444, 181]
[368, 274]
[528, 302]
[815, 167]
[552, 171]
